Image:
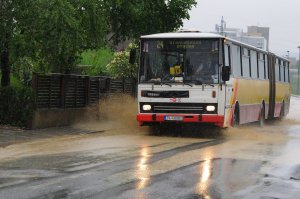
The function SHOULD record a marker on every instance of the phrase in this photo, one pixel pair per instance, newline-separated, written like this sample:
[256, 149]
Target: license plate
[173, 118]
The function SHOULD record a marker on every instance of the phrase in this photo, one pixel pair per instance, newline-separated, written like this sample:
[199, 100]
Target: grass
[94, 62]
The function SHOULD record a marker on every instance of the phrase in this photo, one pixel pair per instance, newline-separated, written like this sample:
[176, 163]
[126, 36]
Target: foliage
[66, 28]
[52, 32]
[22, 69]
[120, 67]
[17, 105]
[95, 61]
[131, 18]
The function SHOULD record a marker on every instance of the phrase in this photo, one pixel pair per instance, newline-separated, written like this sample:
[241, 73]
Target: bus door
[227, 89]
[227, 92]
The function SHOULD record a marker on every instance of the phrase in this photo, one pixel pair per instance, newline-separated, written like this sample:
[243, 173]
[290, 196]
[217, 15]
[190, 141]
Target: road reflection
[205, 173]
[143, 172]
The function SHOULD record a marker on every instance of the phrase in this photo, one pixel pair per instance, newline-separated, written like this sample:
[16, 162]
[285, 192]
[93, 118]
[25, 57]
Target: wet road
[120, 160]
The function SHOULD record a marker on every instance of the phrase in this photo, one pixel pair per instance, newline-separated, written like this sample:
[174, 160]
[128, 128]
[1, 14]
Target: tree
[130, 19]
[13, 14]
[51, 31]
[66, 28]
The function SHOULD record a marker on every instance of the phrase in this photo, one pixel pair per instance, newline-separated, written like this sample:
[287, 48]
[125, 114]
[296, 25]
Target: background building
[255, 35]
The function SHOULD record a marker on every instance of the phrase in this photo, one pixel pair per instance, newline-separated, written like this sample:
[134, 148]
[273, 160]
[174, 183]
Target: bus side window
[266, 66]
[246, 63]
[282, 71]
[236, 61]
[253, 58]
[288, 76]
[284, 66]
[286, 73]
[277, 70]
[261, 66]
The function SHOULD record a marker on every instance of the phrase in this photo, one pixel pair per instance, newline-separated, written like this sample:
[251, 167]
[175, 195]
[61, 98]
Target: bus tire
[236, 116]
[262, 116]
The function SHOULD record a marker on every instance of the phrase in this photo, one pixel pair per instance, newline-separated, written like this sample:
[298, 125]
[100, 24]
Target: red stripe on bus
[218, 120]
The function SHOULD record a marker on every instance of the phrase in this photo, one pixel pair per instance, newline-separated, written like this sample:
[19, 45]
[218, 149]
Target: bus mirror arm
[132, 56]
[225, 73]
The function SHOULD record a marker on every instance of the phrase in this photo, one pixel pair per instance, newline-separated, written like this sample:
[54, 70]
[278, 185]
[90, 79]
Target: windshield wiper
[185, 83]
[197, 82]
[209, 85]
[165, 83]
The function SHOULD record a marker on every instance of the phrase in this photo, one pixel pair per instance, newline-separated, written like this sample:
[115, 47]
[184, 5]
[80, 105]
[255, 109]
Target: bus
[195, 77]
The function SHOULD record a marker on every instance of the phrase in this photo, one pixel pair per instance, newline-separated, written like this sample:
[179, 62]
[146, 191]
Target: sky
[281, 16]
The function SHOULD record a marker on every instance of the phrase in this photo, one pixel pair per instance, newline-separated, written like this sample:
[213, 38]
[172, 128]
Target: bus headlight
[146, 107]
[210, 108]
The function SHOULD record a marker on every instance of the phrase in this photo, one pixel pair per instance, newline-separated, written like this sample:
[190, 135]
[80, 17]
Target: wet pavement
[121, 160]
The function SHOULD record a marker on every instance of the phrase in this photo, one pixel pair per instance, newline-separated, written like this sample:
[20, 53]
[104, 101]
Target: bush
[17, 105]
[22, 69]
[120, 67]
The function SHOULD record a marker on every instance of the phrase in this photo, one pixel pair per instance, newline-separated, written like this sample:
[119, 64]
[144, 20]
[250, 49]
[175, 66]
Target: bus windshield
[177, 60]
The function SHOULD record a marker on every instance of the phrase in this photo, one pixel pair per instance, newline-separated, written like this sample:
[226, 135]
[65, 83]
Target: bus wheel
[236, 117]
[262, 116]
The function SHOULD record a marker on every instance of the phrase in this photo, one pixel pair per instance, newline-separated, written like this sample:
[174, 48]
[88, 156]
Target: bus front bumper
[147, 119]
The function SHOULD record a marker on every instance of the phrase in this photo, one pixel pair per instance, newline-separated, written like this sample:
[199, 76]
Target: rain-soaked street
[120, 160]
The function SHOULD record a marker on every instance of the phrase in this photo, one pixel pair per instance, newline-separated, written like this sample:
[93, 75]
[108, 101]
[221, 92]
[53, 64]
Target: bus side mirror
[132, 56]
[225, 73]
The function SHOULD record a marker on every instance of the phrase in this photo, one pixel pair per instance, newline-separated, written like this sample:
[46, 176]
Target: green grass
[94, 62]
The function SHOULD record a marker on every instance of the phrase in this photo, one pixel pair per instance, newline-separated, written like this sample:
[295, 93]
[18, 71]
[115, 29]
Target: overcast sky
[282, 16]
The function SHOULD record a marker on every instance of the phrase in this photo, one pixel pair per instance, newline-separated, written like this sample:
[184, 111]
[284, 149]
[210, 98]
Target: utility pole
[298, 72]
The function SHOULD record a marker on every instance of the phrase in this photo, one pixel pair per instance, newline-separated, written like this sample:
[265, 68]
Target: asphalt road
[120, 160]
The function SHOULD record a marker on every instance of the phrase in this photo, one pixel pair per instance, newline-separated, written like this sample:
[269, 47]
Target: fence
[76, 91]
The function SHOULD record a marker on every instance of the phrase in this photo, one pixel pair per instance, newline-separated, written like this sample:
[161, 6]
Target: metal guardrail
[76, 91]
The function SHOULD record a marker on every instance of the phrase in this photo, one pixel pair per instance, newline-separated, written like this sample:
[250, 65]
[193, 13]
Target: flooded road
[120, 160]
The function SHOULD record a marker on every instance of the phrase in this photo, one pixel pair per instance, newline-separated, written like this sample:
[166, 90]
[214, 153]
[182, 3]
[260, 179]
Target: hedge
[17, 105]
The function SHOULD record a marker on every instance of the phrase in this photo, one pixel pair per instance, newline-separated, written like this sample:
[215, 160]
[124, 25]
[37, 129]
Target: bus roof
[190, 35]
[200, 35]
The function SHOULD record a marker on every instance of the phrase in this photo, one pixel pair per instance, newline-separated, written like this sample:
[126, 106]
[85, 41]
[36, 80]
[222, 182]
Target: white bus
[194, 77]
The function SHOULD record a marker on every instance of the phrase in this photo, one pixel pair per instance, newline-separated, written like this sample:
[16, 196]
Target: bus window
[245, 63]
[286, 73]
[236, 60]
[261, 66]
[174, 61]
[282, 71]
[284, 66]
[266, 66]
[254, 64]
[277, 70]
[227, 55]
